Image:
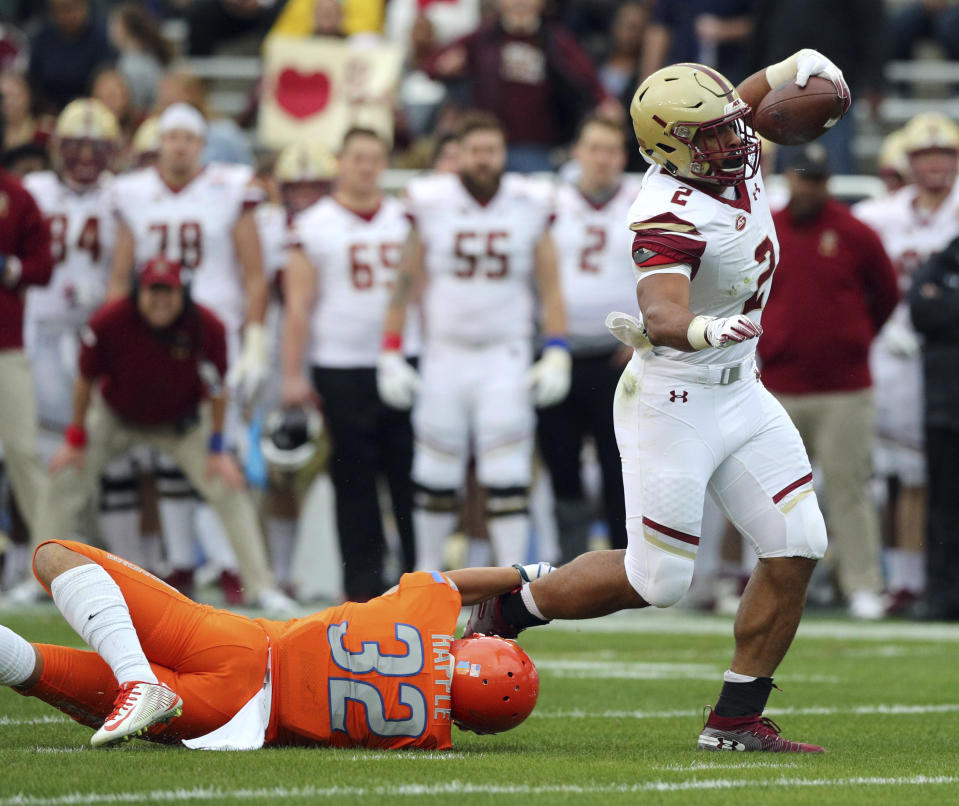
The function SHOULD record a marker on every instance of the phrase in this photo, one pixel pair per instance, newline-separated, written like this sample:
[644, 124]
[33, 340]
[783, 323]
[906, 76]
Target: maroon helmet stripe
[674, 533]
[719, 79]
[787, 490]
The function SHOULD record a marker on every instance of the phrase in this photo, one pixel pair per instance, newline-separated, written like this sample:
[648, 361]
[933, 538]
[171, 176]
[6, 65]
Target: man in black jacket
[934, 303]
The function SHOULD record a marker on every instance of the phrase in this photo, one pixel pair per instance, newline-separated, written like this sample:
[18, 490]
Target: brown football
[792, 115]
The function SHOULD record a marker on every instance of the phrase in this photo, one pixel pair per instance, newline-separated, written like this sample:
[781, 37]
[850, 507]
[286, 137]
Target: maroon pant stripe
[686, 538]
[787, 490]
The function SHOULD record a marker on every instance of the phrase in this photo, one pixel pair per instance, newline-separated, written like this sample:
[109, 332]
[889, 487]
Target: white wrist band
[696, 332]
[14, 270]
[782, 72]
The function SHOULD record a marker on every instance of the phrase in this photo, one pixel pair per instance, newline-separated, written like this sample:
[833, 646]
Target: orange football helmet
[495, 684]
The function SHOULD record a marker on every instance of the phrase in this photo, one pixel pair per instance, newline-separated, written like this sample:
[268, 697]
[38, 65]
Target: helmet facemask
[82, 160]
[710, 160]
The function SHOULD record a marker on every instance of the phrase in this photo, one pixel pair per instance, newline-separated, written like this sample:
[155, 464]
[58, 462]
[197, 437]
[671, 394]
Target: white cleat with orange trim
[137, 707]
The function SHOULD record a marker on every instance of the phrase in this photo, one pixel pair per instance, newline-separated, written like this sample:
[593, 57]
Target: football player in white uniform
[691, 413]
[75, 199]
[481, 244]
[913, 223]
[201, 217]
[596, 277]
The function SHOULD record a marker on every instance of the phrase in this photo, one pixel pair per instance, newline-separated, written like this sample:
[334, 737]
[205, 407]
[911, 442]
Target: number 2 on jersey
[758, 300]
[368, 660]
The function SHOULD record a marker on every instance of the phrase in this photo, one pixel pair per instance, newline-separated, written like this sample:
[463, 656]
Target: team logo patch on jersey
[740, 222]
[828, 243]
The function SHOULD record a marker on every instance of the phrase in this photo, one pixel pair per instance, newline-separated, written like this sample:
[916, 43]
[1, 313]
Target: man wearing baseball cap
[151, 371]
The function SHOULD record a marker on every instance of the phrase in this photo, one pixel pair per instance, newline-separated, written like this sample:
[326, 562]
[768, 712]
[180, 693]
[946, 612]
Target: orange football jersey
[376, 674]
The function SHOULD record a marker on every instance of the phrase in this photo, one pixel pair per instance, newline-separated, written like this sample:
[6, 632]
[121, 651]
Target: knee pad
[805, 530]
[432, 499]
[661, 577]
[503, 501]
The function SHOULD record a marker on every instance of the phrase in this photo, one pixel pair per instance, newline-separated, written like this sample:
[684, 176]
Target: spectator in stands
[529, 72]
[215, 21]
[67, 49]
[911, 22]
[934, 304]
[23, 124]
[445, 20]
[304, 17]
[619, 72]
[110, 87]
[144, 53]
[225, 141]
[850, 33]
[25, 159]
[834, 288]
[712, 32]
[14, 46]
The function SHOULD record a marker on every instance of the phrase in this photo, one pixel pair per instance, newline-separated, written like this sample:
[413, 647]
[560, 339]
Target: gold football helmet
[146, 143]
[893, 160]
[930, 131]
[305, 172]
[86, 140]
[678, 114]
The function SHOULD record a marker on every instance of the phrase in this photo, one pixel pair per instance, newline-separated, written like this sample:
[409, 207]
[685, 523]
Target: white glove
[549, 377]
[899, 339]
[629, 330]
[248, 374]
[709, 331]
[805, 63]
[396, 381]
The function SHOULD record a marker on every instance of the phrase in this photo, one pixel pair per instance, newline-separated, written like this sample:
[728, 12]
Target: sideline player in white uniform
[202, 218]
[913, 223]
[75, 199]
[303, 174]
[592, 245]
[691, 413]
[481, 238]
[344, 256]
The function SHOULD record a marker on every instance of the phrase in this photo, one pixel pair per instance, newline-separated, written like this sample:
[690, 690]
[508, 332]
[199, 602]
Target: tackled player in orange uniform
[384, 674]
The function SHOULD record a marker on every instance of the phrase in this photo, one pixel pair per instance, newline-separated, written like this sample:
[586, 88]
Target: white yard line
[640, 670]
[36, 720]
[651, 621]
[861, 710]
[462, 788]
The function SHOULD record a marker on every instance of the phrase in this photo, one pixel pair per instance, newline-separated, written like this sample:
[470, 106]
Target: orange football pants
[215, 660]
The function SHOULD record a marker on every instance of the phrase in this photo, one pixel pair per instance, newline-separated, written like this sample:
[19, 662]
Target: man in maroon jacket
[25, 260]
[530, 73]
[833, 289]
[148, 364]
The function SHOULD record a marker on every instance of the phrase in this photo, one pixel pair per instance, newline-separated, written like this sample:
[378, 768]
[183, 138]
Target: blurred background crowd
[542, 67]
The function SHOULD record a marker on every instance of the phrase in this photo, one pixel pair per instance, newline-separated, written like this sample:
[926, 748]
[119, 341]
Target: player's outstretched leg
[768, 616]
[592, 585]
[93, 604]
[19, 664]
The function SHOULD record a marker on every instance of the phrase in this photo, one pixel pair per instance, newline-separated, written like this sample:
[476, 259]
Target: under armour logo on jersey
[755, 191]
[682, 397]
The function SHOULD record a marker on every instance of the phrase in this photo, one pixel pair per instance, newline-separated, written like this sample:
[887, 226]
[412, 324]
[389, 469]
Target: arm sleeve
[429, 66]
[33, 247]
[666, 239]
[879, 279]
[90, 361]
[932, 312]
[577, 63]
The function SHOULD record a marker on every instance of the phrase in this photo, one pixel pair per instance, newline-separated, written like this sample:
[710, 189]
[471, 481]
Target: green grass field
[617, 720]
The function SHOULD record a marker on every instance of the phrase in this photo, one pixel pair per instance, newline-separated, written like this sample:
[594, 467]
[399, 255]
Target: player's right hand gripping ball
[792, 115]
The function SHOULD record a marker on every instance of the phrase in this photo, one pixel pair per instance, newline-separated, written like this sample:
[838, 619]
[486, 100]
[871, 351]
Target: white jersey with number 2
[724, 243]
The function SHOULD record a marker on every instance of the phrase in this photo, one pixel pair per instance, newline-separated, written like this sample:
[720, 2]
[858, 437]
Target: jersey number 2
[758, 300]
[367, 661]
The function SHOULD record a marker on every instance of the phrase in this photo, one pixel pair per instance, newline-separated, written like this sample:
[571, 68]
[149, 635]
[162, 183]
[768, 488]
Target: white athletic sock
[729, 676]
[895, 572]
[509, 535]
[17, 658]
[93, 604]
[176, 526]
[121, 533]
[213, 539]
[913, 565]
[527, 596]
[432, 529]
[282, 540]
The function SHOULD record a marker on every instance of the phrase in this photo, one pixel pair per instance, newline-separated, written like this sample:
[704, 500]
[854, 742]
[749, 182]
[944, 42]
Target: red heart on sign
[302, 94]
